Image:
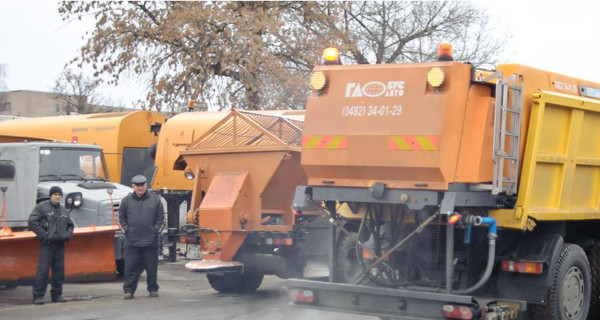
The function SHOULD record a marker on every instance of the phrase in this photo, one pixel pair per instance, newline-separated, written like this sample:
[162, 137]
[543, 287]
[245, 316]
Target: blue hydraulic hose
[491, 256]
[491, 222]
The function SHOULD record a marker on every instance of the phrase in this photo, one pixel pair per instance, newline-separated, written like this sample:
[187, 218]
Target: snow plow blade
[89, 256]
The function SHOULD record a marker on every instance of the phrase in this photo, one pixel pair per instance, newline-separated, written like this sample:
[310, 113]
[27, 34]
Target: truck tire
[250, 282]
[235, 282]
[347, 265]
[570, 291]
[594, 257]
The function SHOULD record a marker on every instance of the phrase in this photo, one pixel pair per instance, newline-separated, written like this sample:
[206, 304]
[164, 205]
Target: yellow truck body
[561, 164]
[116, 132]
[176, 134]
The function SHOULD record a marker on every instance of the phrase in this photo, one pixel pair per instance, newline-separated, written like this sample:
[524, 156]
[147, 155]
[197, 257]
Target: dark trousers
[138, 259]
[51, 256]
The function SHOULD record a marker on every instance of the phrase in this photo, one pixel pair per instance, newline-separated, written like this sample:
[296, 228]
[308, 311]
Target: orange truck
[454, 192]
[247, 167]
[174, 177]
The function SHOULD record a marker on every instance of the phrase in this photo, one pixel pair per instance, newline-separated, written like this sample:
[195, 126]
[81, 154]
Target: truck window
[136, 161]
[71, 164]
[91, 166]
[7, 170]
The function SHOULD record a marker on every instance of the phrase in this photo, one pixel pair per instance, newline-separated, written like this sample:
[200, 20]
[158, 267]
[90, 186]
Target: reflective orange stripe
[324, 142]
[428, 143]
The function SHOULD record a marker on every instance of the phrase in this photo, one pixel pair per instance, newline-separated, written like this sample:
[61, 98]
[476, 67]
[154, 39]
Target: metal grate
[242, 129]
[105, 216]
[288, 130]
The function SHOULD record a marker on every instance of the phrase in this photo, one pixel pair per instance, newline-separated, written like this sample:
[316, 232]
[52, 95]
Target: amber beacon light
[445, 52]
[331, 56]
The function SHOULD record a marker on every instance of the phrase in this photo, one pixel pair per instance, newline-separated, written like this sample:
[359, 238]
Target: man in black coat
[53, 226]
[141, 219]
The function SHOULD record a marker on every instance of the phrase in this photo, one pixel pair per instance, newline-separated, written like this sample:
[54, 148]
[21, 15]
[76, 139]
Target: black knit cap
[55, 189]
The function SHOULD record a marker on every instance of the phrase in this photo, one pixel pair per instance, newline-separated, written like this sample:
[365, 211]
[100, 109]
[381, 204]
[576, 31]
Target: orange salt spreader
[246, 170]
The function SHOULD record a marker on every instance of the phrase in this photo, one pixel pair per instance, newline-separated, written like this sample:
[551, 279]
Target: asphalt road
[183, 295]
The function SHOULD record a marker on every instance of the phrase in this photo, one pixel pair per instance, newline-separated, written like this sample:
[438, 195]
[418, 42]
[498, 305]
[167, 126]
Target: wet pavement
[183, 295]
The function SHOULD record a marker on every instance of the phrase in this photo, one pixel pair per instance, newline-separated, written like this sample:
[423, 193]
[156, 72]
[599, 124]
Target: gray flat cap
[139, 179]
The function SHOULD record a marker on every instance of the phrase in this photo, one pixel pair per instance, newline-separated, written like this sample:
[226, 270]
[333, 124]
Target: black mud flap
[533, 288]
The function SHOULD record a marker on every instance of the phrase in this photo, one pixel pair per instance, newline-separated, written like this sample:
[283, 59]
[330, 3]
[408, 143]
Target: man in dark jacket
[141, 219]
[53, 226]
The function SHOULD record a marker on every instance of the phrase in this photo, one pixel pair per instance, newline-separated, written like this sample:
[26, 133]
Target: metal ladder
[507, 133]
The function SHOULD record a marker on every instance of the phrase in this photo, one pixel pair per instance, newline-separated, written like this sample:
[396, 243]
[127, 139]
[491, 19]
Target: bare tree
[258, 55]
[248, 55]
[407, 31]
[77, 92]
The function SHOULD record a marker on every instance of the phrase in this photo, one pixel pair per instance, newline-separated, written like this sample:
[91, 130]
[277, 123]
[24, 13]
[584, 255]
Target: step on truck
[453, 192]
[27, 172]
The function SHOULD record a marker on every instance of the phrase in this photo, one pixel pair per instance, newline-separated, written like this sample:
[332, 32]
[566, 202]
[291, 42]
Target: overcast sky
[35, 46]
[560, 36]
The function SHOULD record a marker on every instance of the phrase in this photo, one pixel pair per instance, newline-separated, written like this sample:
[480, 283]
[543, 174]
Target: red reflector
[523, 267]
[301, 296]
[455, 311]
[295, 212]
[282, 241]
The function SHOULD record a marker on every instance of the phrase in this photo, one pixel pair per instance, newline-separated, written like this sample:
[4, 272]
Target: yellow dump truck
[454, 192]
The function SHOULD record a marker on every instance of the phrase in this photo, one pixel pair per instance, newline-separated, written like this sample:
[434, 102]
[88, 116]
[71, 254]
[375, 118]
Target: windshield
[71, 164]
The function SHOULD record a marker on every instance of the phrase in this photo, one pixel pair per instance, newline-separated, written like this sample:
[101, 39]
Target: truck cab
[79, 170]
[27, 172]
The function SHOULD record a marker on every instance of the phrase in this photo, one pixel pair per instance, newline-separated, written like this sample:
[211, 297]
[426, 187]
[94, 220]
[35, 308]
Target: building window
[5, 106]
[57, 107]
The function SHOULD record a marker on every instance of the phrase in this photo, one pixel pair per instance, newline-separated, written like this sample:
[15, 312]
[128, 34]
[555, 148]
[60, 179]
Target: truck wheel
[346, 259]
[250, 282]
[594, 257]
[235, 282]
[570, 292]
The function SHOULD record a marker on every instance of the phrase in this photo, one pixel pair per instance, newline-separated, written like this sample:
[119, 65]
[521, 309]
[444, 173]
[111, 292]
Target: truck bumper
[383, 302]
